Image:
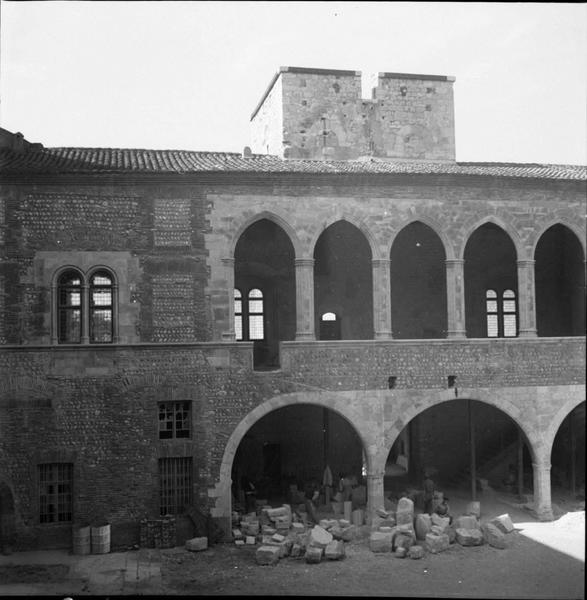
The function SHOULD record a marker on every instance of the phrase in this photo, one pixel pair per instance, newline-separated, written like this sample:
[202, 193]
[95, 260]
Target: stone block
[239, 542]
[267, 555]
[328, 523]
[452, 534]
[503, 523]
[416, 552]
[334, 550]
[267, 530]
[401, 552]
[473, 508]
[275, 513]
[469, 537]
[403, 540]
[237, 534]
[380, 542]
[442, 522]
[349, 533]
[344, 523]
[381, 512]
[313, 555]
[493, 536]
[422, 525]
[197, 544]
[319, 537]
[250, 540]
[405, 512]
[437, 543]
[277, 537]
[385, 529]
[358, 517]
[298, 527]
[466, 522]
[297, 551]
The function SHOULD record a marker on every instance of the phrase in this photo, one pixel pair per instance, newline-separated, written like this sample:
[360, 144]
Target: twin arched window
[501, 316]
[249, 317]
[85, 307]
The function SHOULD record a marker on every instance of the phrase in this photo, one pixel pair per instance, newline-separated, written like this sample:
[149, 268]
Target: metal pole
[520, 464]
[573, 456]
[472, 449]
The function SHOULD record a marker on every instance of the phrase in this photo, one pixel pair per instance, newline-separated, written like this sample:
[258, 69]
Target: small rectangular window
[55, 492]
[175, 479]
[174, 420]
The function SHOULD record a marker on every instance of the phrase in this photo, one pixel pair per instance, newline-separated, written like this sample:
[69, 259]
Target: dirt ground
[526, 569]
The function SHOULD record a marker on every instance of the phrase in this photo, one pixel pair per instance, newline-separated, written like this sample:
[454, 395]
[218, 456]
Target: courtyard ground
[543, 560]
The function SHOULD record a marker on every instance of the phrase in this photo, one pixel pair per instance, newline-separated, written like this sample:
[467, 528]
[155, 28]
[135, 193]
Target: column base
[457, 334]
[305, 337]
[527, 333]
[383, 335]
[228, 336]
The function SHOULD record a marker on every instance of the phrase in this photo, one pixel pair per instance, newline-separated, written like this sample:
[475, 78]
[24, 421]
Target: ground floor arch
[378, 417]
[7, 518]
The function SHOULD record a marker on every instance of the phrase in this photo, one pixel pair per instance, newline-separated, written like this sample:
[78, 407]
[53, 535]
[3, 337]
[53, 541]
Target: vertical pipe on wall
[520, 463]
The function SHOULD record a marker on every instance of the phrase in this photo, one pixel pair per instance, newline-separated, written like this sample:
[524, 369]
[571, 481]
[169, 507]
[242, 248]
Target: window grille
[175, 476]
[69, 294]
[101, 308]
[174, 420]
[238, 315]
[55, 492]
[256, 330]
[492, 313]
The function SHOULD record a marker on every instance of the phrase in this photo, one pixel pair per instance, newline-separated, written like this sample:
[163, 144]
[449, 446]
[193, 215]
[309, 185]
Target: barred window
[55, 492]
[256, 331]
[101, 308]
[238, 315]
[502, 319]
[175, 477]
[69, 318]
[174, 420]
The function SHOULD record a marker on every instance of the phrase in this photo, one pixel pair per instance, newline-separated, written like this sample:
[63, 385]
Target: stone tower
[320, 114]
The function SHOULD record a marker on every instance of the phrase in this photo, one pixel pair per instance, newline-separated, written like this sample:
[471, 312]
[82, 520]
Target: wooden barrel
[101, 539]
[81, 540]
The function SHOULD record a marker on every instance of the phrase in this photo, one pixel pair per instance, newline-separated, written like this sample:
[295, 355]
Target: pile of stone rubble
[279, 534]
[414, 534]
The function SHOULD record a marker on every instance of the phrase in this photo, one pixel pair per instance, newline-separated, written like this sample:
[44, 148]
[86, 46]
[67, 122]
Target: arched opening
[560, 283]
[265, 291]
[418, 284]
[458, 442]
[567, 470]
[7, 519]
[343, 281]
[491, 284]
[288, 450]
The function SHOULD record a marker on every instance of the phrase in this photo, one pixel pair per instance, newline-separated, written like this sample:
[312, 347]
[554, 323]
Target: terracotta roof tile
[137, 161]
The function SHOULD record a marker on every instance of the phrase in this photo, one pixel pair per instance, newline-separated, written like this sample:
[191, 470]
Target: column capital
[228, 261]
[453, 262]
[304, 262]
[525, 263]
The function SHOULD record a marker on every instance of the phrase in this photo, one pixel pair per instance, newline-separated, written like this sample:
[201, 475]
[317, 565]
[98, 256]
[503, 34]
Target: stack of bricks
[158, 533]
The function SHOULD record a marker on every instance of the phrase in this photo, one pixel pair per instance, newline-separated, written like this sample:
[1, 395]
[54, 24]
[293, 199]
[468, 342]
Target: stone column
[381, 298]
[374, 493]
[228, 335]
[542, 498]
[526, 299]
[305, 329]
[85, 312]
[455, 298]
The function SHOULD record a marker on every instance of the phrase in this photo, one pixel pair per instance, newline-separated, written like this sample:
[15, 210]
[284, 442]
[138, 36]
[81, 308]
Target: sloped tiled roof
[137, 161]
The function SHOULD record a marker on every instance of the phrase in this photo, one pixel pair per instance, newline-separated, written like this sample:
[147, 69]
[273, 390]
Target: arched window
[509, 309]
[256, 330]
[502, 321]
[329, 326]
[492, 313]
[69, 311]
[101, 304]
[238, 315]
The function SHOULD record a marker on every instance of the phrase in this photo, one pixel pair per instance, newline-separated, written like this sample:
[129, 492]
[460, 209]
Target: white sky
[187, 75]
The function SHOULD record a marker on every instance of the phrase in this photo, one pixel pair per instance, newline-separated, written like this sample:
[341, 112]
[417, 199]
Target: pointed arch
[273, 216]
[503, 224]
[449, 251]
[360, 224]
[572, 227]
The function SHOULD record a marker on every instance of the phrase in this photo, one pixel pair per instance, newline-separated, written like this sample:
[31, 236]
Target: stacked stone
[158, 533]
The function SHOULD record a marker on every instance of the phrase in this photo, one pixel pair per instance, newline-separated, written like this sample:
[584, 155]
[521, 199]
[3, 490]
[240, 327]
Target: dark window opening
[175, 478]
[174, 420]
[55, 492]
[69, 320]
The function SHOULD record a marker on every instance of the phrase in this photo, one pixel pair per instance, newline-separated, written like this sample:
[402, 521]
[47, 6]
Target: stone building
[345, 294]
